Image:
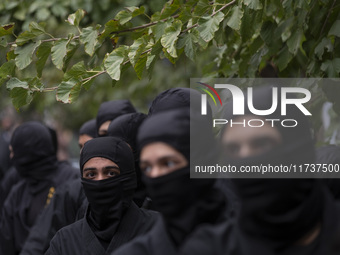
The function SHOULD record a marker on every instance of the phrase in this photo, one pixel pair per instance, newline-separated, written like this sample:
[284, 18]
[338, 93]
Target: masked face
[159, 159]
[244, 141]
[100, 169]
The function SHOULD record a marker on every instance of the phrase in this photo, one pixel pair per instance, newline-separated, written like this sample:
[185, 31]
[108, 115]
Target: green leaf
[169, 8]
[36, 28]
[140, 66]
[68, 91]
[71, 50]
[6, 29]
[89, 38]
[3, 42]
[235, 20]
[188, 41]
[331, 67]
[25, 54]
[43, 53]
[110, 26]
[136, 49]
[295, 41]
[170, 37]
[335, 29]
[75, 18]
[320, 48]
[267, 32]
[20, 97]
[152, 57]
[123, 16]
[59, 51]
[209, 25]
[159, 28]
[16, 83]
[35, 83]
[77, 71]
[6, 70]
[202, 7]
[253, 4]
[113, 62]
[284, 58]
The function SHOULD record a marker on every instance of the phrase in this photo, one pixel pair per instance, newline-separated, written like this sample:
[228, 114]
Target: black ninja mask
[108, 198]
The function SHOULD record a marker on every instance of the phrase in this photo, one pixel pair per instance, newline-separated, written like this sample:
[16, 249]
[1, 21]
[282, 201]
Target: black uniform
[126, 128]
[67, 206]
[191, 208]
[112, 218]
[36, 162]
[277, 214]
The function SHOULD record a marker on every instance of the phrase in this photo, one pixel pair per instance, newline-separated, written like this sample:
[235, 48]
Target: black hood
[126, 127]
[89, 128]
[184, 202]
[108, 198]
[279, 210]
[172, 99]
[112, 109]
[34, 151]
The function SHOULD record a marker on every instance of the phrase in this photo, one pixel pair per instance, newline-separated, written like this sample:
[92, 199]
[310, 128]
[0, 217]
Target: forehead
[158, 150]
[239, 133]
[99, 162]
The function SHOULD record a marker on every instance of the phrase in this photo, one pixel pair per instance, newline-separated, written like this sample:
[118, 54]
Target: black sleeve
[64, 209]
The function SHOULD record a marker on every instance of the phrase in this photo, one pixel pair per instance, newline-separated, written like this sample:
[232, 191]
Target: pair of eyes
[257, 145]
[166, 164]
[108, 173]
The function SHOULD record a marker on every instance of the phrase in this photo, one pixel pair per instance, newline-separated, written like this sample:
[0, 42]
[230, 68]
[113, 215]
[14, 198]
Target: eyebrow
[107, 167]
[160, 159]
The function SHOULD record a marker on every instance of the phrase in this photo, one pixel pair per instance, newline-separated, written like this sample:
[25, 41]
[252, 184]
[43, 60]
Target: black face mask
[184, 202]
[108, 203]
[34, 151]
[109, 198]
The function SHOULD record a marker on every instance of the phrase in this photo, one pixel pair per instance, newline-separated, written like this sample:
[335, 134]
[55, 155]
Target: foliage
[297, 38]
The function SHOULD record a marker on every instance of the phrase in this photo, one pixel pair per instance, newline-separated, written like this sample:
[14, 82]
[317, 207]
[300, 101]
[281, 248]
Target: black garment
[7, 183]
[171, 99]
[126, 127]
[112, 109]
[89, 128]
[79, 238]
[68, 205]
[35, 160]
[330, 155]
[185, 203]
[4, 154]
[323, 244]
[108, 198]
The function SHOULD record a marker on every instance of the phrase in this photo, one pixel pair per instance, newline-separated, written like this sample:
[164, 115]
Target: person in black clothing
[192, 209]
[278, 215]
[35, 160]
[110, 110]
[87, 131]
[68, 205]
[126, 128]
[112, 218]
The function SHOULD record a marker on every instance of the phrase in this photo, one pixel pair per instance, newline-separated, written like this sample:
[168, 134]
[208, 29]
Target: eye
[145, 169]
[171, 163]
[112, 173]
[90, 175]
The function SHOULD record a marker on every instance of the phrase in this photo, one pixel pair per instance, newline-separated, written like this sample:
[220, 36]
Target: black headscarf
[34, 151]
[108, 198]
[89, 128]
[112, 109]
[171, 99]
[280, 211]
[126, 127]
[183, 201]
